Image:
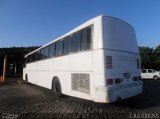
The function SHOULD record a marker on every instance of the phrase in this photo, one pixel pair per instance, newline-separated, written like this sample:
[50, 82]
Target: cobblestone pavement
[23, 100]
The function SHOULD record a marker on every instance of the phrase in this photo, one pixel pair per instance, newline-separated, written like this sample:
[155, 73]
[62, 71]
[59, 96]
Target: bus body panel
[118, 35]
[121, 56]
[119, 43]
[48, 69]
[81, 62]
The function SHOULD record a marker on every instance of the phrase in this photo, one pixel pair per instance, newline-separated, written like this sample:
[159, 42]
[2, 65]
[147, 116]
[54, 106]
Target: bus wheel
[155, 77]
[26, 78]
[56, 87]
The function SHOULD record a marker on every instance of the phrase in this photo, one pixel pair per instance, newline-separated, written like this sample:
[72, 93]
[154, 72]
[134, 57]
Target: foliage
[17, 50]
[150, 58]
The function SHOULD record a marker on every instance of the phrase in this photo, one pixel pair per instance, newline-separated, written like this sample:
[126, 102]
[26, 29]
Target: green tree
[150, 58]
[157, 57]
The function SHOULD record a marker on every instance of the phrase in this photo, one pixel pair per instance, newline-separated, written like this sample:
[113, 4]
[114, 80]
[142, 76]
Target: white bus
[99, 60]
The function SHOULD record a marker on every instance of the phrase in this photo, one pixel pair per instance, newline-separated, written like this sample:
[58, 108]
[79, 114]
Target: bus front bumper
[114, 93]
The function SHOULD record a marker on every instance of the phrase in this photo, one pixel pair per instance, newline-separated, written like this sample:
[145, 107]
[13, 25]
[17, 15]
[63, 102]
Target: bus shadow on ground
[148, 99]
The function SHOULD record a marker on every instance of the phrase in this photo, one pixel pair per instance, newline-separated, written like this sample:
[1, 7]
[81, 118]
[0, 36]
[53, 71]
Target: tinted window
[66, 46]
[143, 71]
[149, 71]
[29, 58]
[51, 50]
[46, 52]
[59, 47]
[42, 53]
[25, 60]
[75, 42]
[86, 39]
[34, 57]
[38, 55]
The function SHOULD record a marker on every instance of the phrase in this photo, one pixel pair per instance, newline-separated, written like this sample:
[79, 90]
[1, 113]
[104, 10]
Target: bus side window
[86, 39]
[75, 42]
[59, 48]
[42, 53]
[88, 46]
[26, 60]
[38, 55]
[30, 58]
[34, 57]
[66, 44]
[51, 50]
[46, 52]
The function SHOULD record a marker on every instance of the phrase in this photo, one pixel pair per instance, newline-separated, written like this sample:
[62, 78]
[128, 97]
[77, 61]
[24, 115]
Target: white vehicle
[150, 74]
[98, 60]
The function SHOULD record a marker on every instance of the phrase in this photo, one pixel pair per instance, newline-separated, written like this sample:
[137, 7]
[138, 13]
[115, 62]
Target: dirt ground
[24, 100]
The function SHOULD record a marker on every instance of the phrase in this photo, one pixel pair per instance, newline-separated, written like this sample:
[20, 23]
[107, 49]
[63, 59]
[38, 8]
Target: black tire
[155, 77]
[26, 78]
[56, 87]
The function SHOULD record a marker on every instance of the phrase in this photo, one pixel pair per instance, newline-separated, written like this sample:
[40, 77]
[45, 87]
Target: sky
[36, 22]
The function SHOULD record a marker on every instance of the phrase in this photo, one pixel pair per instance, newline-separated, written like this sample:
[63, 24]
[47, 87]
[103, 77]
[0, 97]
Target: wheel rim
[155, 78]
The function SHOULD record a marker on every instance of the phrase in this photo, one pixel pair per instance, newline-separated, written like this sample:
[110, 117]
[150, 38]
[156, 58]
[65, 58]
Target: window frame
[91, 38]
